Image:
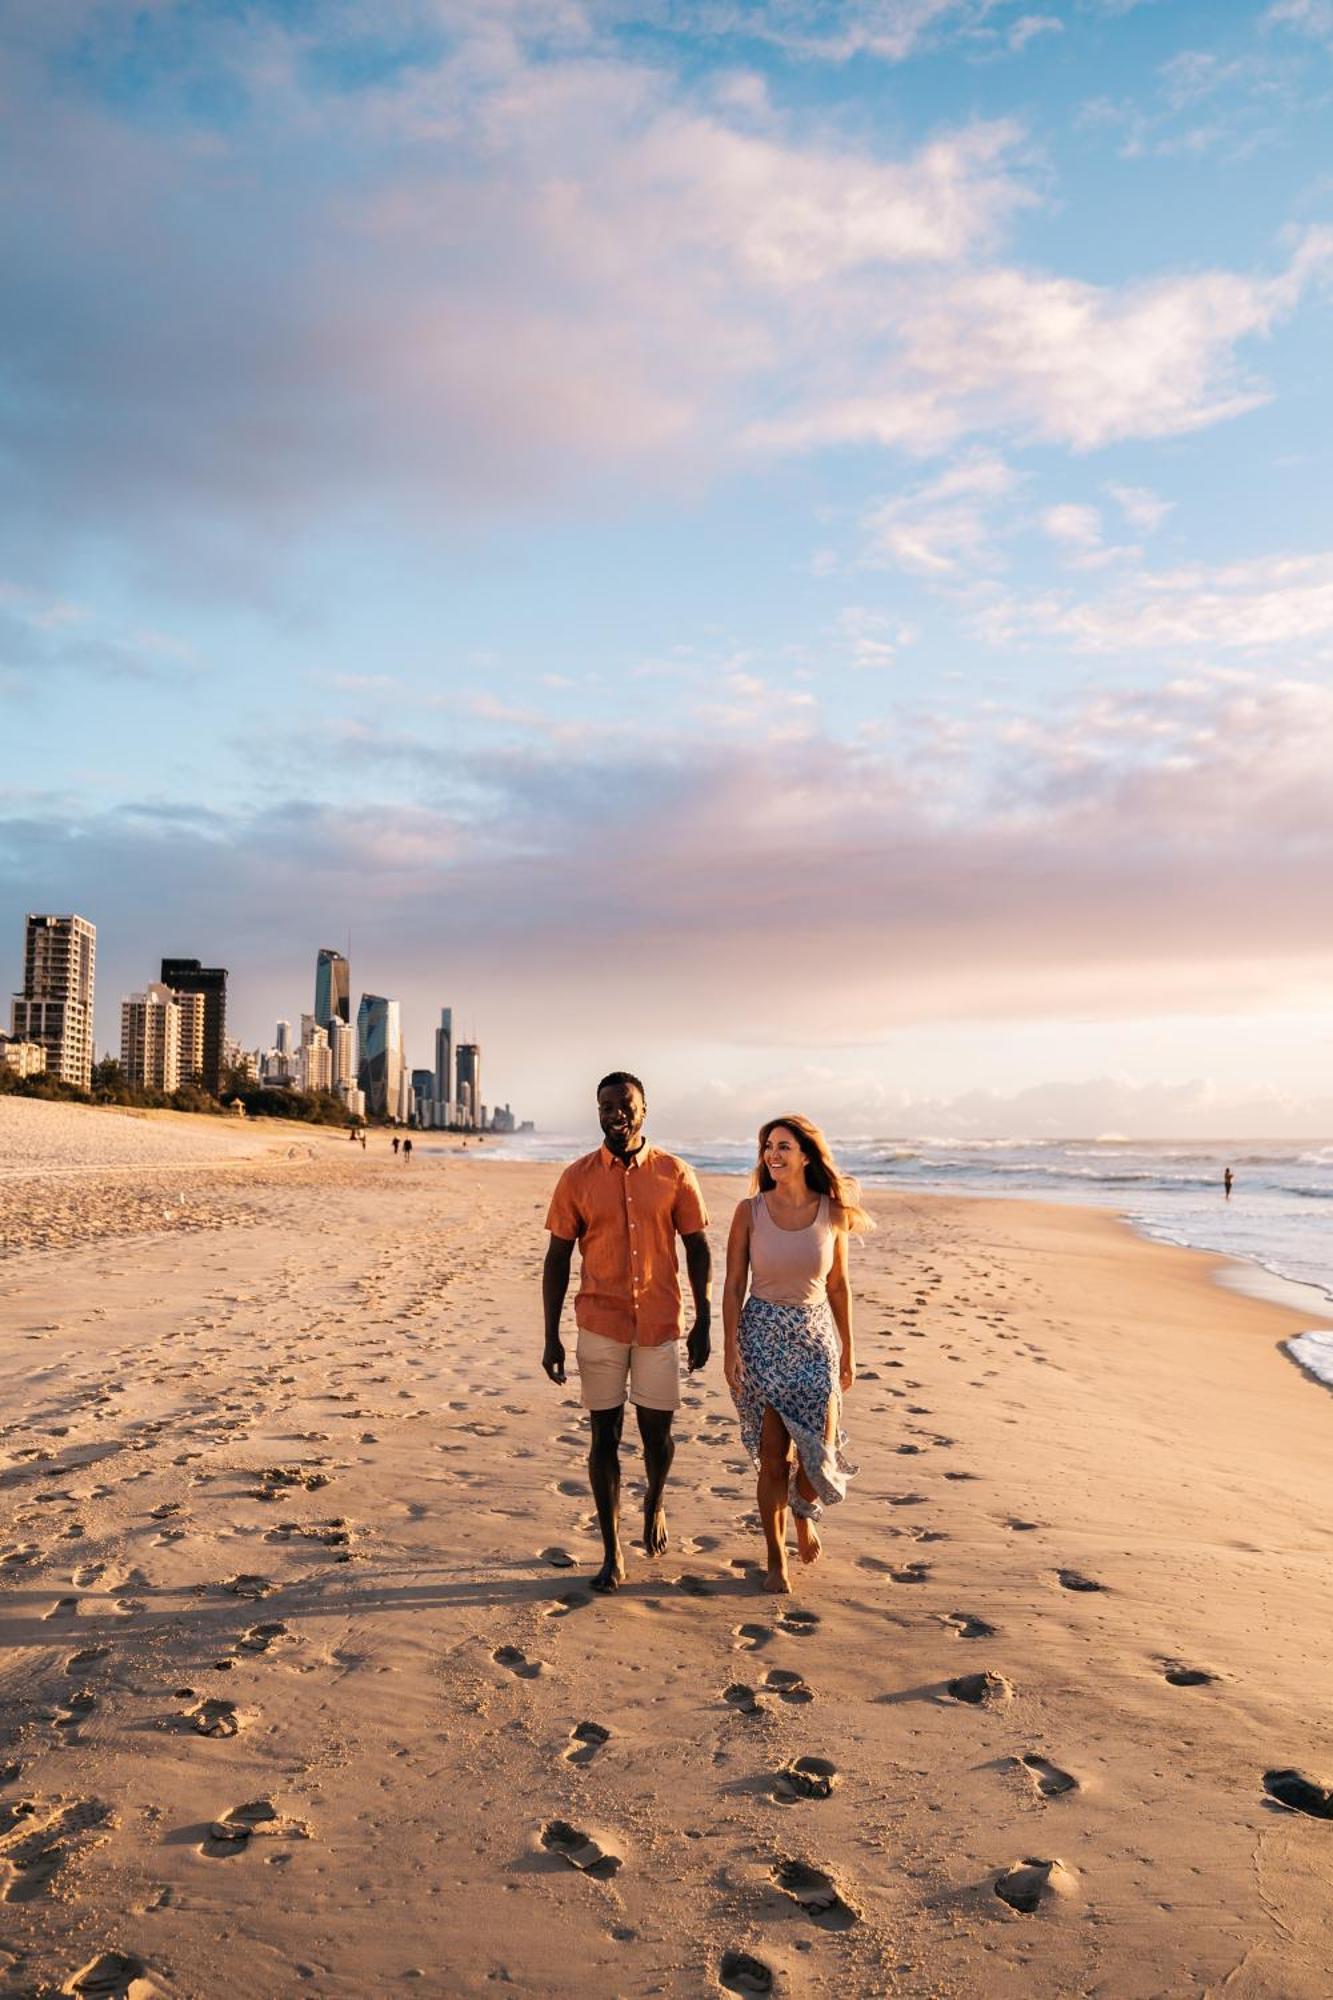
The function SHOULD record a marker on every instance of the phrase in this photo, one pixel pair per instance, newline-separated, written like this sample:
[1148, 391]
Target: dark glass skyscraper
[187, 975]
[333, 988]
[469, 1082]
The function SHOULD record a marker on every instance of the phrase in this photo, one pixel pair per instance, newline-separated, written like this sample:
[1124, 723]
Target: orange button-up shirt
[625, 1219]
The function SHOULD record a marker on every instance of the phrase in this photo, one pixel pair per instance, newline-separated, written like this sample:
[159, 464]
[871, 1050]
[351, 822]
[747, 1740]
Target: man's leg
[604, 1472]
[659, 1448]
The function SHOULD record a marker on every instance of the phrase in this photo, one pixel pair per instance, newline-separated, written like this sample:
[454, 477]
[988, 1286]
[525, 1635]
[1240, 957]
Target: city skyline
[784, 548]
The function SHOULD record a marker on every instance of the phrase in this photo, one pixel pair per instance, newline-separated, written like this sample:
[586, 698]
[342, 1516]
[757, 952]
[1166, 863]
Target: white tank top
[790, 1267]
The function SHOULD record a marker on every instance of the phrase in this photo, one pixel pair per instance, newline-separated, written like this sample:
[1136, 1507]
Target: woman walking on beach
[789, 1353]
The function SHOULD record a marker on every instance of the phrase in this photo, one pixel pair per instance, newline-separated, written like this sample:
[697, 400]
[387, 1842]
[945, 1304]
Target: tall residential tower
[55, 1008]
[187, 975]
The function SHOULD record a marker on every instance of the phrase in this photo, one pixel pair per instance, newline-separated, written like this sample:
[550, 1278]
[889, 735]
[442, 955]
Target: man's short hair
[622, 1076]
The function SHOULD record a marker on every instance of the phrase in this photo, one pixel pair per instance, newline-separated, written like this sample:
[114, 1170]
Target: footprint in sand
[983, 1690]
[749, 1638]
[557, 1558]
[215, 1718]
[805, 1778]
[247, 1585]
[913, 1572]
[37, 1840]
[1048, 1779]
[1025, 1884]
[966, 1626]
[741, 1972]
[789, 1686]
[1187, 1677]
[517, 1662]
[1073, 1579]
[571, 1600]
[233, 1833]
[742, 1697]
[259, 1638]
[817, 1893]
[585, 1740]
[113, 1975]
[695, 1586]
[579, 1849]
[800, 1624]
[1301, 1794]
[64, 1609]
[79, 1663]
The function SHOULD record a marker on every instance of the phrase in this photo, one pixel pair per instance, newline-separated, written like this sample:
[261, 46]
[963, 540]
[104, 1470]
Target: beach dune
[303, 1692]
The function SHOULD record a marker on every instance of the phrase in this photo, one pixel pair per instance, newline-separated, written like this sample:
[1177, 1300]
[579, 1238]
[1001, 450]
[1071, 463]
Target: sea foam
[1314, 1353]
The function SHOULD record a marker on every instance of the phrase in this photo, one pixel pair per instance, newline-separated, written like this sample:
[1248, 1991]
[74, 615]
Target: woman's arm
[840, 1304]
[733, 1291]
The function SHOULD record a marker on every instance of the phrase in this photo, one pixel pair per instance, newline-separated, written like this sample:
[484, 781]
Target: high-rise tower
[333, 988]
[469, 1083]
[55, 1008]
[379, 1036]
[444, 1065]
[187, 975]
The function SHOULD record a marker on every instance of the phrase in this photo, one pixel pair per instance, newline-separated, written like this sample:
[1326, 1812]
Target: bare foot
[777, 1583]
[654, 1532]
[611, 1575]
[807, 1540]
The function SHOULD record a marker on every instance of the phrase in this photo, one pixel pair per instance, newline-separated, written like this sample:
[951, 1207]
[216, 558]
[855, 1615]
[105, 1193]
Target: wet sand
[302, 1691]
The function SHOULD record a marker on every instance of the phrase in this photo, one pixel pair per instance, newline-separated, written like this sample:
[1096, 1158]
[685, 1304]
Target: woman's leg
[807, 1534]
[774, 1475]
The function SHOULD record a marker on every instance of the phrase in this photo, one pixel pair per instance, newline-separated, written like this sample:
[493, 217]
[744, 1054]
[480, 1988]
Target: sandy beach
[304, 1695]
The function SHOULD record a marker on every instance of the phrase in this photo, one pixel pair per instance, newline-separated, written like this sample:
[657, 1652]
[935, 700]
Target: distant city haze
[787, 549]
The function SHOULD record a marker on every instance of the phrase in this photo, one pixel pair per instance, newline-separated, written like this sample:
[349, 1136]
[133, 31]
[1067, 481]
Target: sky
[786, 547]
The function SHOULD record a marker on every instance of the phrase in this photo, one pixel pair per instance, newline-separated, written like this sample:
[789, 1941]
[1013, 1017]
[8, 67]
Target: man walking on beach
[624, 1206]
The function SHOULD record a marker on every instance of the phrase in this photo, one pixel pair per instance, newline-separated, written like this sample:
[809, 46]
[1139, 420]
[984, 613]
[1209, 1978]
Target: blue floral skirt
[790, 1358]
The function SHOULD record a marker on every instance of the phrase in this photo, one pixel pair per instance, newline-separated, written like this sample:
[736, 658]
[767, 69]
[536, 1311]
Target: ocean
[1278, 1225]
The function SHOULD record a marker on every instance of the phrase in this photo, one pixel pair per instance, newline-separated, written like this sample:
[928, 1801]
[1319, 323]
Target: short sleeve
[688, 1211]
[562, 1217]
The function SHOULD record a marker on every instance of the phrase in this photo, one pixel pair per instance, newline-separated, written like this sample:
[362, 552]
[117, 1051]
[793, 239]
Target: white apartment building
[314, 1058]
[55, 1008]
[192, 1035]
[22, 1058]
[150, 1039]
[342, 1044]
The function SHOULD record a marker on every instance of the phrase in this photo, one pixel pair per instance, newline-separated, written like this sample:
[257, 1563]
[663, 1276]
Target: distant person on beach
[396, 1143]
[1227, 1180]
[363, 1142]
[624, 1206]
[407, 1149]
[789, 1355]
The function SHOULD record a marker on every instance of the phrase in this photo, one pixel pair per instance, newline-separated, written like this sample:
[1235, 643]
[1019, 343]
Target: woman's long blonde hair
[821, 1172]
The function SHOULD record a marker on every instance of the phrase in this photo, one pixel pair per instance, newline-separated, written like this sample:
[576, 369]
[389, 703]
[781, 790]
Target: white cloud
[1307, 17]
[1143, 509]
[1030, 27]
[944, 527]
[1263, 605]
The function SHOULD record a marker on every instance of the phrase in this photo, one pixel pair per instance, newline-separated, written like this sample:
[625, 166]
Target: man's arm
[699, 1266]
[555, 1283]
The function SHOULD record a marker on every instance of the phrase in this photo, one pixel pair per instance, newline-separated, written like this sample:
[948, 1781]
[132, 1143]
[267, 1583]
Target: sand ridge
[304, 1692]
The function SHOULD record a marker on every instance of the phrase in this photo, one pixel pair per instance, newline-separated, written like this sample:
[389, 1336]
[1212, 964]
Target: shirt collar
[636, 1159]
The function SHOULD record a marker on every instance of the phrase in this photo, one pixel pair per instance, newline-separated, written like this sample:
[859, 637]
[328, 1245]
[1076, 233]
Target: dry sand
[296, 1701]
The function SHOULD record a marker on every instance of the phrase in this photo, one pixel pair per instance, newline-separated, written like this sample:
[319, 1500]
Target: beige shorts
[607, 1367]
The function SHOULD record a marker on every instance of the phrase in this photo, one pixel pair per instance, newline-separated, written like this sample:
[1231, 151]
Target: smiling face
[784, 1159]
[620, 1112]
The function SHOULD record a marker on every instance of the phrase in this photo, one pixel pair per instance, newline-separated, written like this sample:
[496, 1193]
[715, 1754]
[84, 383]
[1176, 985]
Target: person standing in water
[789, 1356]
[1227, 1179]
[625, 1205]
